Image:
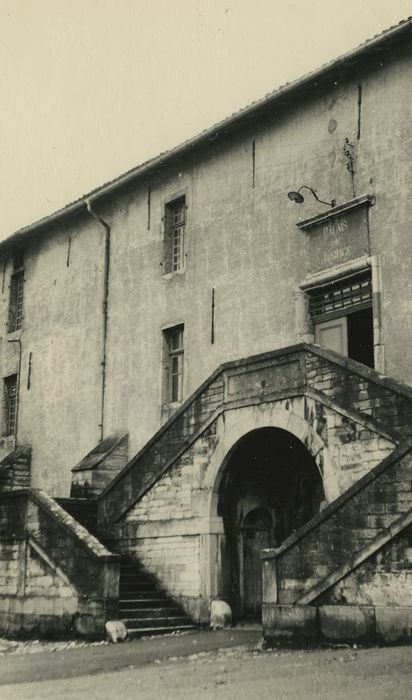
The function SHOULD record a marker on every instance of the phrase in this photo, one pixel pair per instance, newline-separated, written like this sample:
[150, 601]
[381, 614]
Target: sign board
[337, 239]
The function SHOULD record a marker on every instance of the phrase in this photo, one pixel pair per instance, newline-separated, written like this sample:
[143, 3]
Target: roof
[288, 91]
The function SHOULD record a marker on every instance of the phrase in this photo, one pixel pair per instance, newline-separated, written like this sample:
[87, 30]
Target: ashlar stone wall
[175, 530]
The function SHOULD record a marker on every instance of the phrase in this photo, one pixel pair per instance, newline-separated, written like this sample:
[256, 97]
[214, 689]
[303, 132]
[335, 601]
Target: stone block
[347, 623]
[394, 624]
[115, 631]
[295, 623]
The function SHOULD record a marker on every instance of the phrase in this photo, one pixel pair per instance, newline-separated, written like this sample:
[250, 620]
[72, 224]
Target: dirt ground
[241, 672]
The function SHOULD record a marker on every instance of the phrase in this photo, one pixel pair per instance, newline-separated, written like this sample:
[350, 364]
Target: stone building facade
[157, 351]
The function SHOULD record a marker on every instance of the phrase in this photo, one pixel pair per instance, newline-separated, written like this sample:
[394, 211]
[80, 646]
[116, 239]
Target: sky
[92, 88]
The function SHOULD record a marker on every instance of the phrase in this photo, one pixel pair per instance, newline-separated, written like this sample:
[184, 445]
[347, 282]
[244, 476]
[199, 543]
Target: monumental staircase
[341, 560]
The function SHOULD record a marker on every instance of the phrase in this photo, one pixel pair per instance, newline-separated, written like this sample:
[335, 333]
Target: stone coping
[99, 453]
[66, 521]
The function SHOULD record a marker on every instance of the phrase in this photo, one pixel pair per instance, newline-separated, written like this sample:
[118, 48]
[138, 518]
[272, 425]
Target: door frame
[305, 326]
[241, 552]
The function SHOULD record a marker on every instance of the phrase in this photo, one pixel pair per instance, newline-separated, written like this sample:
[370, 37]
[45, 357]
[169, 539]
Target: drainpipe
[379, 349]
[17, 340]
[106, 271]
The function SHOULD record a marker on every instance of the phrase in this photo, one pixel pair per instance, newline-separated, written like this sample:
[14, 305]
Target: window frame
[10, 392]
[173, 355]
[174, 239]
[16, 302]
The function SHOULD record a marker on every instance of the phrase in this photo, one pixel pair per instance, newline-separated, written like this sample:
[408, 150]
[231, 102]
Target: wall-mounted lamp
[298, 198]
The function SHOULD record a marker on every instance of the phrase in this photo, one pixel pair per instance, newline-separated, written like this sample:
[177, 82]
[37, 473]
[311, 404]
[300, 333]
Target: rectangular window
[16, 301]
[10, 404]
[174, 236]
[174, 357]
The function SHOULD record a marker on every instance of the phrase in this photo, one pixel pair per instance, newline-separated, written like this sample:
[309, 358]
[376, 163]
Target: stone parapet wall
[56, 577]
[166, 529]
[357, 387]
[297, 370]
[348, 525]
[385, 578]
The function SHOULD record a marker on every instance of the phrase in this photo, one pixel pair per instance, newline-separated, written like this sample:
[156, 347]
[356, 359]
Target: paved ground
[31, 663]
[192, 667]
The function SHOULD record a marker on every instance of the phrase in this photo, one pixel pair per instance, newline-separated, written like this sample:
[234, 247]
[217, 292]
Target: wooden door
[256, 535]
[333, 334]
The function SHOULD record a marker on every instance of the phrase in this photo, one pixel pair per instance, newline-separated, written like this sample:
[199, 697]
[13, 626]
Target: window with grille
[174, 357]
[174, 240]
[16, 301]
[341, 298]
[10, 404]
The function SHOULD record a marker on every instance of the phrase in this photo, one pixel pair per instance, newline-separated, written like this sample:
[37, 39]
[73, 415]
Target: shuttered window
[341, 297]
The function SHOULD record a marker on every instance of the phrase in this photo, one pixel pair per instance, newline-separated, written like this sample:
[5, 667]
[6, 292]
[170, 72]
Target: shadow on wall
[271, 487]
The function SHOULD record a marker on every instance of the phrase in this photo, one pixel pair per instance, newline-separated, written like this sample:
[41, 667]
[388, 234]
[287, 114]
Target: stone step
[154, 601]
[149, 622]
[126, 586]
[135, 571]
[141, 595]
[143, 608]
[142, 631]
[139, 612]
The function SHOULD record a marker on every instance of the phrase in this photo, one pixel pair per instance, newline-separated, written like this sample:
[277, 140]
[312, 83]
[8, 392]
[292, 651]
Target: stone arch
[232, 426]
[235, 424]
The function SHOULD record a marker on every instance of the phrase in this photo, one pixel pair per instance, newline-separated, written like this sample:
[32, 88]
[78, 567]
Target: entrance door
[256, 535]
[342, 317]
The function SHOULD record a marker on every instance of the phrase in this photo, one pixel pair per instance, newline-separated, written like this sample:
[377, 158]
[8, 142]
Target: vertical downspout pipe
[106, 271]
[379, 349]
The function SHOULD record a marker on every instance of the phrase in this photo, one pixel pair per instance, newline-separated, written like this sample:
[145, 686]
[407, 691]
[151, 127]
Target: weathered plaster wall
[241, 241]
[59, 404]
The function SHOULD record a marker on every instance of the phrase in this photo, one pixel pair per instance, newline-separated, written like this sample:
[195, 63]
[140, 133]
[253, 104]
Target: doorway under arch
[271, 486]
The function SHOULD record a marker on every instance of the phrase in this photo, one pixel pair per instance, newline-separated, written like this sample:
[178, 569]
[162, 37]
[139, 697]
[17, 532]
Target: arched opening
[270, 488]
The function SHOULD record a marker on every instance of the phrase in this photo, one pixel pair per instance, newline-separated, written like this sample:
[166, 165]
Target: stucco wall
[241, 241]
[59, 406]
